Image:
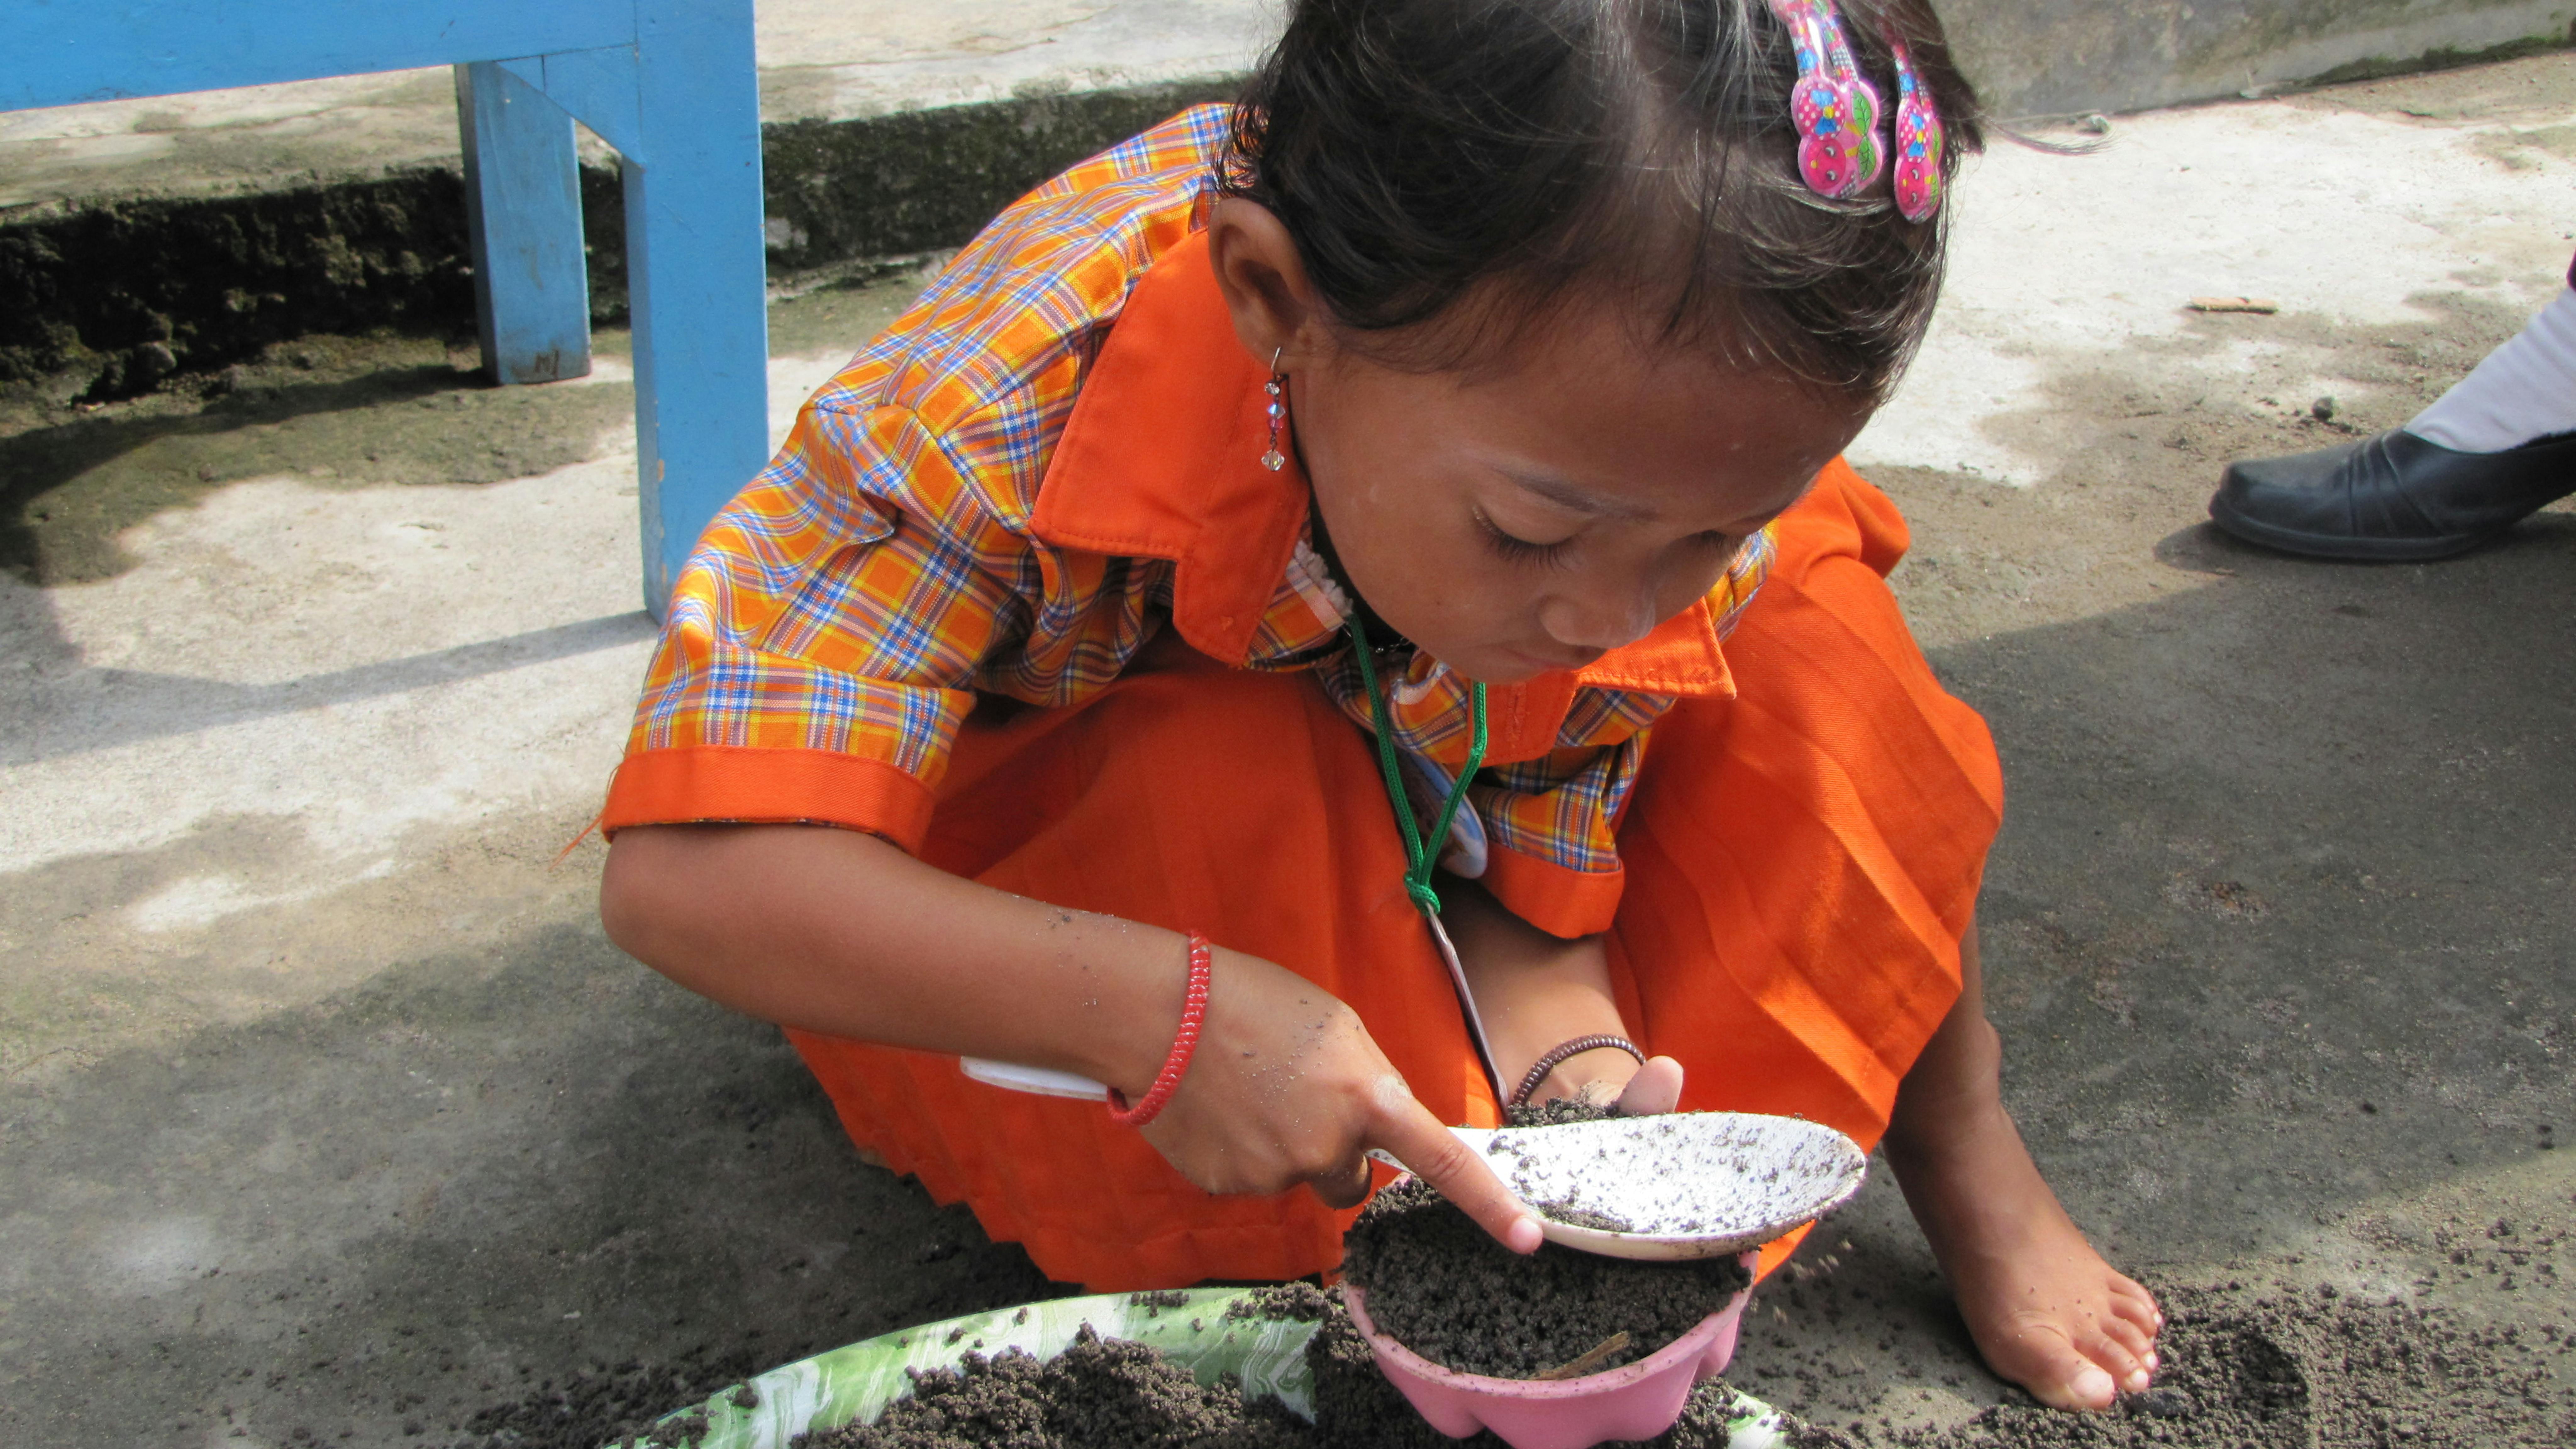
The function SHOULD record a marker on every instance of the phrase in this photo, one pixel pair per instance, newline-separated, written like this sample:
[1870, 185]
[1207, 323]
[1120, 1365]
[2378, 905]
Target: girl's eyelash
[1518, 550]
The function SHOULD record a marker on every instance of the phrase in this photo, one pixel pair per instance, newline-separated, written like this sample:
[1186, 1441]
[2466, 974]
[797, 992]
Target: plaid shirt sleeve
[830, 631]
[842, 603]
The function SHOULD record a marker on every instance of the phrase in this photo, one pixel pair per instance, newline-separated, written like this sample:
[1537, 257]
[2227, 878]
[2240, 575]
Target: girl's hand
[1631, 1089]
[1288, 1088]
[1654, 1090]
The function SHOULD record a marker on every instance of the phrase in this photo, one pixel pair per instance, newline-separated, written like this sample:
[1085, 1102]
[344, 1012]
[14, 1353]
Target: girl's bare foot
[2044, 1308]
[2046, 1311]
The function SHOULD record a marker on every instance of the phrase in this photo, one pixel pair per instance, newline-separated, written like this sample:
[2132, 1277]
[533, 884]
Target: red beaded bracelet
[1184, 1045]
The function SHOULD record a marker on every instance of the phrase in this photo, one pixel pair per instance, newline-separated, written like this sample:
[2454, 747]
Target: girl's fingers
[1346, 1187]
[1411, 1135]
[1655, 1090]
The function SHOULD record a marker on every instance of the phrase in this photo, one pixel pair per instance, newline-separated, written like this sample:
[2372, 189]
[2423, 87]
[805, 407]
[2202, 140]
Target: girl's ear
[1275, 309]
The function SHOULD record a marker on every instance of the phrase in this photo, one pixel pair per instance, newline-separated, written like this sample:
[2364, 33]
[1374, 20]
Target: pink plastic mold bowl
[1634, 1401]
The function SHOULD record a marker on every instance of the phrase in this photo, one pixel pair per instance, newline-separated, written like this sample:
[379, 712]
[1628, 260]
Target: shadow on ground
[121, 706]
[382, 409]
[2282, 898]
[2277, 934]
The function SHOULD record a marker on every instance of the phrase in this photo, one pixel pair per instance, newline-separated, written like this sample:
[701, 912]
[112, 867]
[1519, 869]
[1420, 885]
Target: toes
[2126, 1366]
[2041, 1358]
[2135, 1338]
[2137, 1324]
[2139, 1347]
[2086, 1386]
[2133, 1301]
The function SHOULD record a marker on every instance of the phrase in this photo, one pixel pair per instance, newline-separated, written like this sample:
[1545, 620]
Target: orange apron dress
[1795, 863]
[1801, 861]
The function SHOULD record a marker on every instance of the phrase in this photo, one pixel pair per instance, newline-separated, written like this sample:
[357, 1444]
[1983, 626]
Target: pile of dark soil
[609, 1405]
[2313, 1370]
[1555, 1112]
[1099, 1392]
[1284, 1303]
[1109, 1394]
[1441, 1286]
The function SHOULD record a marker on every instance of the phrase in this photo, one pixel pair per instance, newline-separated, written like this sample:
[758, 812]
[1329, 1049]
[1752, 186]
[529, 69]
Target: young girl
[1111, 640]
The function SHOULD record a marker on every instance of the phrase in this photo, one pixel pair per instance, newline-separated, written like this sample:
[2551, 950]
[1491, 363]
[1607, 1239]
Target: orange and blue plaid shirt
[837, 622]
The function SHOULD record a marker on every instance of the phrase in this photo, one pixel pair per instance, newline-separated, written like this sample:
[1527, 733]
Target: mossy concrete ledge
[103, 298]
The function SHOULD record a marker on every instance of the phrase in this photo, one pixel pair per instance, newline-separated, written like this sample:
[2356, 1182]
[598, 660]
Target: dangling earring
[1277, 387]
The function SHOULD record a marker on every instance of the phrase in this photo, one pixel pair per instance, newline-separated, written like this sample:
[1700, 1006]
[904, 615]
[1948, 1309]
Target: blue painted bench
[671, 84]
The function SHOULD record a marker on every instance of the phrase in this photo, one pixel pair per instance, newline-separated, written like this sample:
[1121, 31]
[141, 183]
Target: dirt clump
[1298, 1302]
[1101, 1391]
[1441, 1286]
[1556, 1112]
[1583, 1217]
[1553, 1113]
[1113, 1394]
[2297, 1369]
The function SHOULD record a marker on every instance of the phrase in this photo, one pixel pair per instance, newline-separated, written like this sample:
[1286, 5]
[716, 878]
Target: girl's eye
[1519, 550]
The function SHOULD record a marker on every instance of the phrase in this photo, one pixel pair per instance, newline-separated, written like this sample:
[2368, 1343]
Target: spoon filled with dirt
[1673, 1186]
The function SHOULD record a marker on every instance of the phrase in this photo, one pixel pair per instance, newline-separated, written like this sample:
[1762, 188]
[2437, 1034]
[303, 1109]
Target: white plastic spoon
[1685, 1184]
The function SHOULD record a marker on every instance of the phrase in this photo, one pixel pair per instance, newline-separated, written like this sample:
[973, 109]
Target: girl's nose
[1610, 619]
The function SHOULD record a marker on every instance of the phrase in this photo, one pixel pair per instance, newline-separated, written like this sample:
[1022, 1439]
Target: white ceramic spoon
[1686, 1184]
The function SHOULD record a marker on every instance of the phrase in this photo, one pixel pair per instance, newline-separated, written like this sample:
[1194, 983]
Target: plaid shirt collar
[1161, 460]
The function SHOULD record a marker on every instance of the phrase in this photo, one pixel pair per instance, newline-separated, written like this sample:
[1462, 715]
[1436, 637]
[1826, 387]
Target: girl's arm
[1535, 990]
[841, 933]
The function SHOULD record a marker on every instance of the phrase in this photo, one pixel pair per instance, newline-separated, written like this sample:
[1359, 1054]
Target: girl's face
[1538, 517]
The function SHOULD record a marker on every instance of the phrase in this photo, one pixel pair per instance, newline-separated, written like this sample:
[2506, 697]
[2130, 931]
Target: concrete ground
[327, 1115]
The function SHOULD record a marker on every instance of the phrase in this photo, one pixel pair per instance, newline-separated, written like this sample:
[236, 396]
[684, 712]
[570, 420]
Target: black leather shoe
[2392, 498]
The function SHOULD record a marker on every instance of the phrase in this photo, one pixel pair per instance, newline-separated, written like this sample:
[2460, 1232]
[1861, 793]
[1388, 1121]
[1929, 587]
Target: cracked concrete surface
[327, 1114]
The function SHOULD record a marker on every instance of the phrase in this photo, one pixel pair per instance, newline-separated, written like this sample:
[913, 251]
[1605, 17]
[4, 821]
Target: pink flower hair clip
[1836, 110]
[1918, 140]
[1834, 106]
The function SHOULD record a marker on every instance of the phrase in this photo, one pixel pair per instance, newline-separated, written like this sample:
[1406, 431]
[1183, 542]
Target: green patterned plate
[856, 1383]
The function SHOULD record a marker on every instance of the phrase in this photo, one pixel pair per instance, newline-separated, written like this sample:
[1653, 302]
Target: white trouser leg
[2525, 389]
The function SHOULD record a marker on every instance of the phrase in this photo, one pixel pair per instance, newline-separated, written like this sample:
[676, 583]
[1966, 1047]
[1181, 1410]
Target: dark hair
[1419, 150]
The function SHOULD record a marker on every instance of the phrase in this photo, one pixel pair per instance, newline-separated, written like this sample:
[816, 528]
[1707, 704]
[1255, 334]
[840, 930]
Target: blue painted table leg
[523, 210]
[697, 272]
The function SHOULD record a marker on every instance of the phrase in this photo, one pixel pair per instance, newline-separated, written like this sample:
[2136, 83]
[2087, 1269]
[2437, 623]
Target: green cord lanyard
[1419, 857]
